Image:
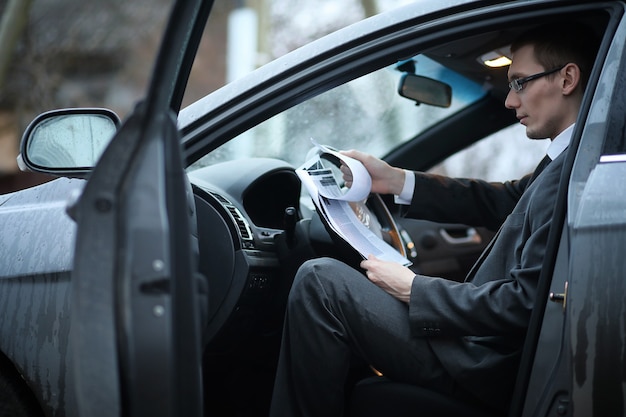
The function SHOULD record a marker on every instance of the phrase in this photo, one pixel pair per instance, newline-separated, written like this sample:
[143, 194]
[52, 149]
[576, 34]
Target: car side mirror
[67, 141]
[425, 90]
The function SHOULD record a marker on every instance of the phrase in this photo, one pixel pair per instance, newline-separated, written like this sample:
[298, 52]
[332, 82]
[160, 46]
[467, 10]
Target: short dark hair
[560, 43]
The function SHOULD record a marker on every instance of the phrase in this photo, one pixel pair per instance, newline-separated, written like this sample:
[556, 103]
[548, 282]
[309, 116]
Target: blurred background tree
[73, 53]
[12, 25]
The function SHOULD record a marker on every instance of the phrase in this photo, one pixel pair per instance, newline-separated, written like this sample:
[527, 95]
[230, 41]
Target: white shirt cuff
[406, 195]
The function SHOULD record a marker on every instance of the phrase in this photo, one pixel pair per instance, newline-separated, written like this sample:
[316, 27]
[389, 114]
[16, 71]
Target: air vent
[244, 229]
[242, 225]
[221, 198]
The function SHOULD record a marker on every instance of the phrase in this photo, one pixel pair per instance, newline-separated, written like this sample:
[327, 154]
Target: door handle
[461, 236]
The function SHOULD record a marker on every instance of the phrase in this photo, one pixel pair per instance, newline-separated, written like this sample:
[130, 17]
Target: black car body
[157, 285]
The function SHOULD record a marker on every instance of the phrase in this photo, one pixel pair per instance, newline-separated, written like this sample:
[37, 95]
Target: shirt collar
[560, 143]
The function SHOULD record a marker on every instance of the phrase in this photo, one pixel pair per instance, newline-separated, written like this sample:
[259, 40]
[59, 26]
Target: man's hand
[385, 178]
[390, 276]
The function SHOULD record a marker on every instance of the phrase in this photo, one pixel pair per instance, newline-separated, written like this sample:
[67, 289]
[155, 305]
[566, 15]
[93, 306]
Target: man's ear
[571, 78]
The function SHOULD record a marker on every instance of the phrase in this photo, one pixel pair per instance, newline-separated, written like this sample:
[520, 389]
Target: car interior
[260, 231]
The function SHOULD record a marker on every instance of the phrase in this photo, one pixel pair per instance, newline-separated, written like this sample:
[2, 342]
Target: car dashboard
[243, 254]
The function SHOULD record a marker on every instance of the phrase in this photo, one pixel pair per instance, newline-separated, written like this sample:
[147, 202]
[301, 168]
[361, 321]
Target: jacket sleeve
[466, 201]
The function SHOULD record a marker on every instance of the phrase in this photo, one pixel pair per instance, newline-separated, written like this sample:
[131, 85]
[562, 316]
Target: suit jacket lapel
[540, 167]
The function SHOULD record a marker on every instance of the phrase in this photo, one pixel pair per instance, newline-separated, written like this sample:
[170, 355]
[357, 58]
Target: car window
[366, 114]
[505, 155]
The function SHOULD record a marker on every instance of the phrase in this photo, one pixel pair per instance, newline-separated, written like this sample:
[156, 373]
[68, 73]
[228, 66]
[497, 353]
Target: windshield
[366, 114]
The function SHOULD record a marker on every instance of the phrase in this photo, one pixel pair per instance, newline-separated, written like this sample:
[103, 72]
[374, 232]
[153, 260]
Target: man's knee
[323, 267]
[320, 276]
[327, 269]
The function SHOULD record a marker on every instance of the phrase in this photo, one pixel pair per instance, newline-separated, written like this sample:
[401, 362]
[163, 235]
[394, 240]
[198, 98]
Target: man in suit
[461, 339]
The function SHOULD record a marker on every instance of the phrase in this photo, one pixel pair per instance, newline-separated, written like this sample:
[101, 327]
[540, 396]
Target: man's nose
[512, 100]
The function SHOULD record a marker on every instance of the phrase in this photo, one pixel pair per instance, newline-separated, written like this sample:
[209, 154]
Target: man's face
[538, 105]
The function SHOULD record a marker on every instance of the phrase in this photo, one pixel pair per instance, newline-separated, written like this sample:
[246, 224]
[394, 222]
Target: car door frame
[559, 352]
[135, 335]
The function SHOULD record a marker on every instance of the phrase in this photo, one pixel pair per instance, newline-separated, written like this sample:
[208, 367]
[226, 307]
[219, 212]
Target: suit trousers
[334, 313]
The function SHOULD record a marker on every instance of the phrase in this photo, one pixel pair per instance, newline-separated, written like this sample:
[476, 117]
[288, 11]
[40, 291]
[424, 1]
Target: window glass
[366, 114]
[505, 155]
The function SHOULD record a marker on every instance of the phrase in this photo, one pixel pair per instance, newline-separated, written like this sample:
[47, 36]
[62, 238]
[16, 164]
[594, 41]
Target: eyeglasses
[518, 83]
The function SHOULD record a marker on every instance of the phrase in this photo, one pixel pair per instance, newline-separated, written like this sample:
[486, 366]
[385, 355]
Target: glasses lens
[515, 85]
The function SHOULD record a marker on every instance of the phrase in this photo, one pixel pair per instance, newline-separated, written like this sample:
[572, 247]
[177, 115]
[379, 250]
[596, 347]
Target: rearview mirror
[67, 141]
[425, 90]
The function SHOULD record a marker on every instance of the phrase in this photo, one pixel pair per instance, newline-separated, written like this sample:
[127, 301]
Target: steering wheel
[381, 219]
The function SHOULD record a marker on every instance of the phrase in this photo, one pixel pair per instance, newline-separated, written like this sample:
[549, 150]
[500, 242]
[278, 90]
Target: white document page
[333, 205]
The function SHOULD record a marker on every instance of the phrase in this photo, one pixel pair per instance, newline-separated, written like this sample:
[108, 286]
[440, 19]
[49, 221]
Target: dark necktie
[544, 162]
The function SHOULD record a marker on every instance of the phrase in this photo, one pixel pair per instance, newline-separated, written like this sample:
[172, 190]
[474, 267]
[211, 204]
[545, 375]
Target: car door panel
[573, 354]
[442, 249]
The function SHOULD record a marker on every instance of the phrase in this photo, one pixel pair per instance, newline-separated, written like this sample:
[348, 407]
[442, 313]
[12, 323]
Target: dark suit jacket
[477, 328]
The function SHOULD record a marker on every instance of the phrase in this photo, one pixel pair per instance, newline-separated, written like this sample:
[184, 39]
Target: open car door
[135, 338]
